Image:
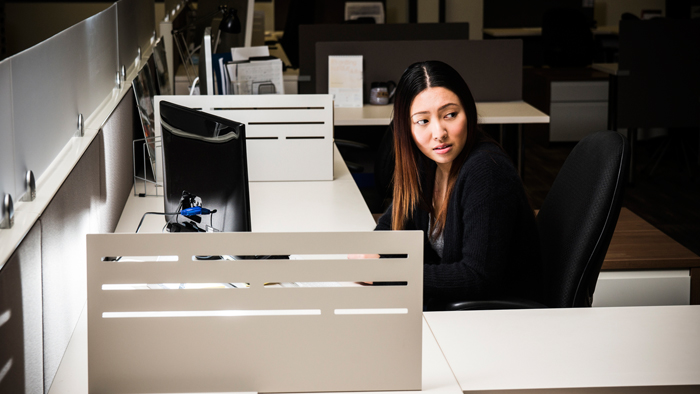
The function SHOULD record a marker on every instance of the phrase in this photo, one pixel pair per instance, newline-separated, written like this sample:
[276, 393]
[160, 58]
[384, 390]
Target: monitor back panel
[263, 338]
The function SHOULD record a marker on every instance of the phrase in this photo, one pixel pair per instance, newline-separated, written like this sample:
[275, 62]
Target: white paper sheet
[345, 80]
[245, 53]
[259, 73]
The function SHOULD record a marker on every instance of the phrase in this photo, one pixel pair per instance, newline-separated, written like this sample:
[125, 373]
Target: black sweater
[491, 244]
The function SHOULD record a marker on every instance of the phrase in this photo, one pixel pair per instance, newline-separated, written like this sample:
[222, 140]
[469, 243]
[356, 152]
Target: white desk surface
[72, 374]
[579, 348]
[511, 112]
[310, 206]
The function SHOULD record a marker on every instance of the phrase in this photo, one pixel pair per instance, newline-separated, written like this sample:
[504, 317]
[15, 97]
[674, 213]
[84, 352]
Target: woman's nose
[439, 132]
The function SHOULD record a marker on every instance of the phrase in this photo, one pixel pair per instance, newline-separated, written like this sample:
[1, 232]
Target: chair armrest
[350, 144]
[512, 303]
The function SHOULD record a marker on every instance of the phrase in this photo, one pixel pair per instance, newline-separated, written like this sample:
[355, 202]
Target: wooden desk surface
[537, 31]
[608, 68]
[637, 245]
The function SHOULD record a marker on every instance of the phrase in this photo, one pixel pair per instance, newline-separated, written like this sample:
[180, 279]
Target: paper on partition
[345, 80]
[245, 53]
[260, 73]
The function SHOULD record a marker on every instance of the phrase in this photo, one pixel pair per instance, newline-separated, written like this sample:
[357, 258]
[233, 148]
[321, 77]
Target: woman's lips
[442, 149]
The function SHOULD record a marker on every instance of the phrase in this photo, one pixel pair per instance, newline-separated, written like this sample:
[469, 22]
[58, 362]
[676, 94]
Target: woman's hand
[363, 256]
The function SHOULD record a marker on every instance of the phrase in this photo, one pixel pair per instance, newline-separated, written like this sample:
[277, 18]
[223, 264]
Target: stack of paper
[254, 67]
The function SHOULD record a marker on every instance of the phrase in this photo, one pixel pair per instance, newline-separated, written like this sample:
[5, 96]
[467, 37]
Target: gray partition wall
[7, 159]
[492, 68]
[309, 35]
[21, 355]
[42, 92]
[53, 82]
[89, 201]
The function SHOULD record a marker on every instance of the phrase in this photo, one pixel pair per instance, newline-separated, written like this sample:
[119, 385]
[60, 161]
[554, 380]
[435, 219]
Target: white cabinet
[642, 288]
[577, 108]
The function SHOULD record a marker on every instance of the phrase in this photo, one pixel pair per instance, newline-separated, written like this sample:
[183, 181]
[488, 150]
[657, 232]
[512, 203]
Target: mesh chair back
[578, 217]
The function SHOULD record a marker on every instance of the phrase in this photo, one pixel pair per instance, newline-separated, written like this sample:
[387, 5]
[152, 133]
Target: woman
[456, 184]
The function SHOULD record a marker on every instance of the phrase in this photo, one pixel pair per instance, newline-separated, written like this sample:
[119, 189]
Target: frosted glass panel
[52, 75]
[101, 52]
[7, 177]
[135, 26]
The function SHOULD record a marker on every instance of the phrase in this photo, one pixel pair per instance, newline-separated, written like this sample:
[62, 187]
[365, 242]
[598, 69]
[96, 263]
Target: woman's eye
[422, 121]
[451, 115]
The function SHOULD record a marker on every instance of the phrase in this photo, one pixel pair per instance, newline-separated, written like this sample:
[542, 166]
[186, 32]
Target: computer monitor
[205, 155]
[206, 78]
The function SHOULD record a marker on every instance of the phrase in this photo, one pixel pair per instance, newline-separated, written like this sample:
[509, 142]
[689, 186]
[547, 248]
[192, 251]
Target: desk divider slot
[261, 138]
[4, 318]
[138, 259]
[5, 369]
[215, 313]
[174, 286]
[265, 108]
[281, 123]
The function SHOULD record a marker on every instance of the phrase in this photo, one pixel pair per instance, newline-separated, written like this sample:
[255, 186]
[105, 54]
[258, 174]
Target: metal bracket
[8, 211]
[118, 80]
[122, 70]
[30, 184]
[81, 125]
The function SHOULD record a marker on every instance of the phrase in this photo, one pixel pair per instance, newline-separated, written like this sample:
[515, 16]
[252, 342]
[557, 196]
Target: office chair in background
[575, 223]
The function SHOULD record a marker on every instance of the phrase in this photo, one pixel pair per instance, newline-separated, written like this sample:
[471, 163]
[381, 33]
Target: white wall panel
[52, 75]
[7, 177]
[102, 64]
[135, 26]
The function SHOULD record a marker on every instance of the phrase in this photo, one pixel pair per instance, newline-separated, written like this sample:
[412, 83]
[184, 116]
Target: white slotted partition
[288, 137]
[261, 338]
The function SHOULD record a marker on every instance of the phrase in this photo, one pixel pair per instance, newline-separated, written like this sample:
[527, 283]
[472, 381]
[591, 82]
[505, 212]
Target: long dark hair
[408, 191]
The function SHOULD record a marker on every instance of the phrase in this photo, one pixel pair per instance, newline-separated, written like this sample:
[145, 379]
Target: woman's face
[439, 125]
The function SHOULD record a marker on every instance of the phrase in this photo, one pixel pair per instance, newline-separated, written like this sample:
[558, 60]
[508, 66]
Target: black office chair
[576, 222]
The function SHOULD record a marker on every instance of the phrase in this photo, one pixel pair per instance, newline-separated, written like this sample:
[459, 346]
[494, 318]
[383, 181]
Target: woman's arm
[482, 218]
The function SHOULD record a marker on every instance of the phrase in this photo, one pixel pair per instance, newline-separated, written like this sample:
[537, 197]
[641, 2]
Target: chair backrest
[578, 217]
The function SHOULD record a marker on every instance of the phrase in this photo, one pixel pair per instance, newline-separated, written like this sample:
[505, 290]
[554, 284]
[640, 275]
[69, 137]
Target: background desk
[580, 350]
[510, 112]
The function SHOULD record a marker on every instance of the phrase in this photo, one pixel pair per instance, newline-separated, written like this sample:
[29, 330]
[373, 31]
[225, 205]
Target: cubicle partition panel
[21, 357]
[54, 100]
[69, 216]
[7, 161]
[309, 35]
[55, 79]
[288, 137]
[116, 163]
[178, 320]
[659, 78]
[136, 29]
[492, 68]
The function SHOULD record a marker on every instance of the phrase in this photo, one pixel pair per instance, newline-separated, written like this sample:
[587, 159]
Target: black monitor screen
[205, 155]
